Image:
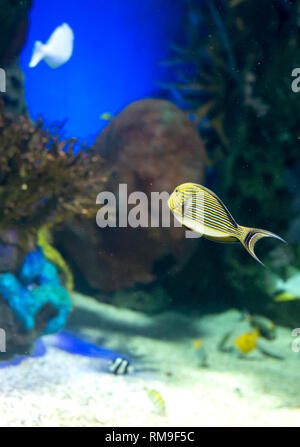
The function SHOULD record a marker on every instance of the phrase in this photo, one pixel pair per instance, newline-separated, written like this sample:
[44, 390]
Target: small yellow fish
[157, 400]
[106, 116]
[197, 344]
[201, 210]
[246, 342]
[285, 297]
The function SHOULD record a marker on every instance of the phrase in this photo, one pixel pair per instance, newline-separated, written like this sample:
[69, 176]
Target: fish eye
[176, 190]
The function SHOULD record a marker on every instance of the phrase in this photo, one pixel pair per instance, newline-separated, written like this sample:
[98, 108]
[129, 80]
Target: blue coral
[36, 269]
[38, 284]
[32, 267]
[60, 300]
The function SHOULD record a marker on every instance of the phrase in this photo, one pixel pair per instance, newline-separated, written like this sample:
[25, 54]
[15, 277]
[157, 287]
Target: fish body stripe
[208, 214]
[244, 231]
[204, 205]
[247, 238]
[208, 220]
[119, 366]
[217, 224]
[208, 199]
[213, 209]
[206, 210]
[213, 226]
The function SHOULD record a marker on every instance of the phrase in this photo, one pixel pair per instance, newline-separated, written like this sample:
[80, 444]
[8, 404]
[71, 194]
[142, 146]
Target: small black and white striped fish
[201, 210]
[119, 366]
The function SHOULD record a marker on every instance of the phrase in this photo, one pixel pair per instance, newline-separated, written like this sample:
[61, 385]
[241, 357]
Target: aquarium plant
[233, 77]
[42, 183]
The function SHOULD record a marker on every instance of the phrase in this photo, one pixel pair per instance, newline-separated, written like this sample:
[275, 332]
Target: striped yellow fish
[201, 210]
[157, 400]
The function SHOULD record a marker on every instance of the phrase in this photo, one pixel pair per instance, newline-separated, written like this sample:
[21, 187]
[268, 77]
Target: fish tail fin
[38, 53]
[249, 237]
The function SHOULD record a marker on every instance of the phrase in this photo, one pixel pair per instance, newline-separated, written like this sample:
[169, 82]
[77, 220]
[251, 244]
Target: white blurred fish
[290, 289]
[58, 49]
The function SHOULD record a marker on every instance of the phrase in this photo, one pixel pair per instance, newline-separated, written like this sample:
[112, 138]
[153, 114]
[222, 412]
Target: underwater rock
[151, 146]
[13, 29]
[17, 339]
[13, 98]
[13, 32]
[13, 250]
[8, 257]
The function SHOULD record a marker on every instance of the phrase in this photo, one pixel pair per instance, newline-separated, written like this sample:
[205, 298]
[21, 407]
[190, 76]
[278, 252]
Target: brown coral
[151, 146]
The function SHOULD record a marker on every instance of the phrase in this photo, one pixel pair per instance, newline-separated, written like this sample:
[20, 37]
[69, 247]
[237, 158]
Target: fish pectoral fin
[191, 234]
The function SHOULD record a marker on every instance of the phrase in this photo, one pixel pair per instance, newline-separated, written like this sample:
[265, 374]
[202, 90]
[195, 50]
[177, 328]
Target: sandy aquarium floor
[62, 389]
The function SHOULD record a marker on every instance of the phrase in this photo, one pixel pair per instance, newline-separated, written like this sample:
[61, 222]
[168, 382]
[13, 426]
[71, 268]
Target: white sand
[62, 389]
